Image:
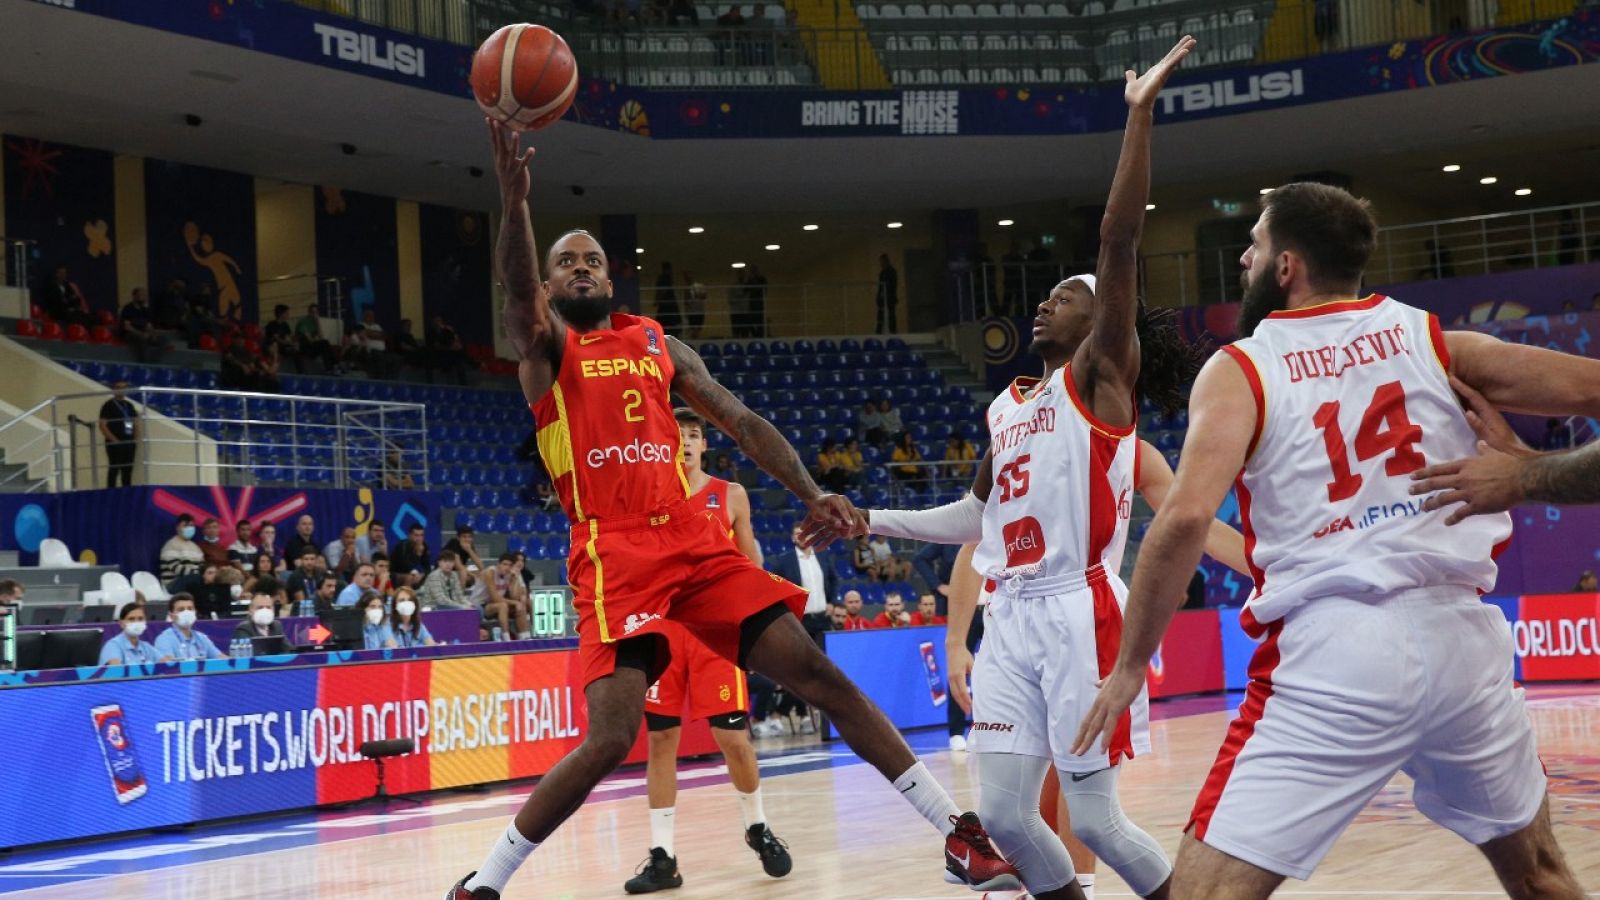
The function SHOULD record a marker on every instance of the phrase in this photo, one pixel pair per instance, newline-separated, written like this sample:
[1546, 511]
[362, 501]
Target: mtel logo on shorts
[993, 726]
[631, 454]
[1024, 542]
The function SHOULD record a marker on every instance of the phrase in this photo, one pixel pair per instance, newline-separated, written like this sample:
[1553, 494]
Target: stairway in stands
[844, 57]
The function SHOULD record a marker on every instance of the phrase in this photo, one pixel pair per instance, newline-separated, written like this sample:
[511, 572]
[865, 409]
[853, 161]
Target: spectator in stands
[404, 345]
[309, 341]
[667, 300]
[507, 599]
[119, 427]
[367, 348]
[892, 426]
[961, 453]
[267, 539]
[681, 11]
[182, 641]
[273, 588]
[129, 648]
[521, 568]
[382, 582]
[304, 528]
[302, 582]
[280, 333]
[724, 468]
[172, 306]
[442, 589]
[906, 456]
[238, 368]
[242, 552]
[814, 571]
[862, 560]
[411, 561]
[838, 619]
[446, 352]
[212, 548]
[1557, 435]
[266, 370]
[927, 611]
[324, 600]
[201, 317]
[1586, 584]
[375, 541]
[181, 559]
[829, 473]
[694, 305]
[341, 554]
[138, 328]
[360, 585]
[853, 619]
[262, 621]
[375, 633]
[871, 424]
[727, 36]
[395, 476]
[407, 622]
[935, 563]
[894, 613]
[889, 566]
[11, 592]
[852, 462]
[465, 546]
[62, 299]
[888, 298]
[260, 570]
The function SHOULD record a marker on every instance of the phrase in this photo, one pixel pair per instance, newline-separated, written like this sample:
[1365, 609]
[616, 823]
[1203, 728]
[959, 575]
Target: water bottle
[308, 606]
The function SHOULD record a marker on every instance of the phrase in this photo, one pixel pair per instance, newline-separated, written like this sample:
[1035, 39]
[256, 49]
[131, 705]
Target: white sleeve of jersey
[960, 522]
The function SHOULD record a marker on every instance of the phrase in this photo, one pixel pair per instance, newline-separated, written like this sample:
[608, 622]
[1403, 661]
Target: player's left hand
[1490, 482]
[1141, 90]
[1117, 693]
[829, 518]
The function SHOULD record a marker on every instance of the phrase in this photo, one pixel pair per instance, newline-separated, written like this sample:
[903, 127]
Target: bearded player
[714, 690]
[1049, 510]
[600, 386]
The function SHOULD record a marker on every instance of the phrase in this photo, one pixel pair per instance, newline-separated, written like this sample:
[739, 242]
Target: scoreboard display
[552, 612]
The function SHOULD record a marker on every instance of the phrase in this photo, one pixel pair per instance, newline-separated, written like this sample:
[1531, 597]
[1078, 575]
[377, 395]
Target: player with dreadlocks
[1049, 511]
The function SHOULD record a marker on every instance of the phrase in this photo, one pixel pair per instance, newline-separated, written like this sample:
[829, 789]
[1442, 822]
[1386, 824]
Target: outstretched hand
[1117, 692]
[830, 518]
[1141, 90]
[510, 160]
[1490, 482]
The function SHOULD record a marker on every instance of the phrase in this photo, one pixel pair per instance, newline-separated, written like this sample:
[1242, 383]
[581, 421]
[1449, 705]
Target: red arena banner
[1190, 659]
[1558, 637]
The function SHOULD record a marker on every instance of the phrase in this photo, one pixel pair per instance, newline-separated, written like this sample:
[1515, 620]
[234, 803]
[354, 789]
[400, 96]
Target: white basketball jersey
[1351, 398]
[1063, 484]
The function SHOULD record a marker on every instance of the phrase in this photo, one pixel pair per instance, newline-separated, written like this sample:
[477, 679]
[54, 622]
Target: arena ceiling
[98, 82]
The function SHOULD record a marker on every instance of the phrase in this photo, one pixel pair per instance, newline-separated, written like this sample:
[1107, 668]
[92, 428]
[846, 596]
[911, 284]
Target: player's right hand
[958, 660]
[510, 161]
[1141, 91]
[829, 518]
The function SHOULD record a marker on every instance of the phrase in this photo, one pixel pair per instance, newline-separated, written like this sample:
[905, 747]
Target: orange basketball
[524, 75]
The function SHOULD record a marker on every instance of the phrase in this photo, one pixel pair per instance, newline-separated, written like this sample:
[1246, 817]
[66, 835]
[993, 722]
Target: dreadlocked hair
[1168, 364]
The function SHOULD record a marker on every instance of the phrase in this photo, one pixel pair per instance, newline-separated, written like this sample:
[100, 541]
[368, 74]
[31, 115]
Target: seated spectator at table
[375, 541]
[927, 611]
[263, 569]
[262, 620]
[137, 328]
[302, 583]
[273, 588]
[181, 559]
[375, 631]
[63, 301]
[395, 476]
[212, 549]
[1586, 584]
[341, 554]
[323, 600]
[894, 613]
[410, 562]
[406, 624]
[442, 589]
[853, 619]
[507, 599]
[934, 564]
[182, 641]
[360, 585]
[870, 422]
[905, 457]
[304, 528]
[961, 454]
[838, 619]
[309, 342]
[266, 538]
[243, 551]
[890, 567]
[129, 648]
[381, 582]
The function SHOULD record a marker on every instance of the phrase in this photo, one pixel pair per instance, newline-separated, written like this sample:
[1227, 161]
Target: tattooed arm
[531, 325]
[758, 439]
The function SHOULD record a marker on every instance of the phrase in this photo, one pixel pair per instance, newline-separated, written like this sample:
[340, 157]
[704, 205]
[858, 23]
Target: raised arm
[533, 328]
[1524, 379]
[1222, 417]
[1223, 542]
[1109, 357]
[744, 536]
[960, 522]
[830, 516]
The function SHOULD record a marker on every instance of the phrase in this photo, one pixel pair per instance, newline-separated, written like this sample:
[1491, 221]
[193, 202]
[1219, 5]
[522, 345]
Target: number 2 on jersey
[1384, 427]
[1013, 477]
[634, 401]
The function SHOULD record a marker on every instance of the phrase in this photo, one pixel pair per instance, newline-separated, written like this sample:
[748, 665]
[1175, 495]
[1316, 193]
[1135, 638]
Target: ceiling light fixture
[696, 229]
[1149, 206]
[639, 250]
[1488, 179]
[809, 227]
[738, 265]
[1523, 192]
[774, 247]
[896, 224]
[1264, 191]
[1452, 168]
[1005, 223]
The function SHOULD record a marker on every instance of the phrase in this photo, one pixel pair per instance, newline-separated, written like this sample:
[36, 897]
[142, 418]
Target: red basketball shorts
[697, 684]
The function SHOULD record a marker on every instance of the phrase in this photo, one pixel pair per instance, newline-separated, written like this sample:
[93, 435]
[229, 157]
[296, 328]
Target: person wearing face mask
[263, 622]
[407, 622]
[181, 558]
[376, 634]
[182, 641]
[211, 544]
[129, 646]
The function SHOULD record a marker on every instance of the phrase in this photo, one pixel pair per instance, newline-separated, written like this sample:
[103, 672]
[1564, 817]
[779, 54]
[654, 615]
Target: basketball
[525, 76]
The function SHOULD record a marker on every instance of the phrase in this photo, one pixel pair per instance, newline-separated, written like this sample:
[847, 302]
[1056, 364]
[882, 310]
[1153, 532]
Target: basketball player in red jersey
[600, 387]
[714, 690]
[1377, 655]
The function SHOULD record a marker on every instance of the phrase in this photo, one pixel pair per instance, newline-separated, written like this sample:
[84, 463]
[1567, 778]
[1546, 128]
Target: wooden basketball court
[850, 835]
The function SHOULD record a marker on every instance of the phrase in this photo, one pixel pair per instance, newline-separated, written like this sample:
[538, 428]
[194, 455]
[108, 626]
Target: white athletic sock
[916, 784]
[750, 808]
[1086, 881]
[661, 828]
[509, 851]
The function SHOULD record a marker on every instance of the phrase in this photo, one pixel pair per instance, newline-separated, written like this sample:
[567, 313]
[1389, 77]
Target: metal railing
[1447, 248]
[678, 58]
[775, 310]
[16, 262]
[232, 437]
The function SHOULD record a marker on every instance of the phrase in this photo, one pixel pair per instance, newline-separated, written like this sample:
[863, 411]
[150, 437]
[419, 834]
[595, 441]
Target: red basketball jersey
[713, 498]
[606, 430]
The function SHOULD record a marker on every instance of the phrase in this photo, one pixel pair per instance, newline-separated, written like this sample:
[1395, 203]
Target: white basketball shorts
[1344, 693]
[1046, 642]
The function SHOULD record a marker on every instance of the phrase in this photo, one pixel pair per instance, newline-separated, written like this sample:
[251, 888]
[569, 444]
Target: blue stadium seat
[895, 344]
[732, 349]
[1168, 440]
[755, 348]
[710, 351]
[849, 345]
[872, 345]
[1172, 459]
[827, 345]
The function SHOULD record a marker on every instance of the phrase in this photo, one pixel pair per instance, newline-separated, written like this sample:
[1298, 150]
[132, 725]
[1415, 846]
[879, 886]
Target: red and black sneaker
[460, 892]
[970, 858]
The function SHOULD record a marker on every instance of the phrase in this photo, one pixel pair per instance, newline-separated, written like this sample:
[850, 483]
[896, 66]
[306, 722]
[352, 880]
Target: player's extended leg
[1205, 873]
[1529, 862]
[1053, 809]
[732, 734]
[660, 871]
[1098, 820]
[1008, 800]
[616, 703]
[773, 642]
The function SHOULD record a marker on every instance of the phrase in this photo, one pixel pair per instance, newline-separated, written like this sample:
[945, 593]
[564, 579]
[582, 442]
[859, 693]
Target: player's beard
[1262, 297]
[587, 309]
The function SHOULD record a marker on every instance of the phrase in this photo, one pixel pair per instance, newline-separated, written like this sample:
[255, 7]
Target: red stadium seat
[77, 333]
[252, 331]
[207, 342]
[105, 317]
[50, 331]
[102, 335]
[252, 346]
[28, 327]
[36, 311]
